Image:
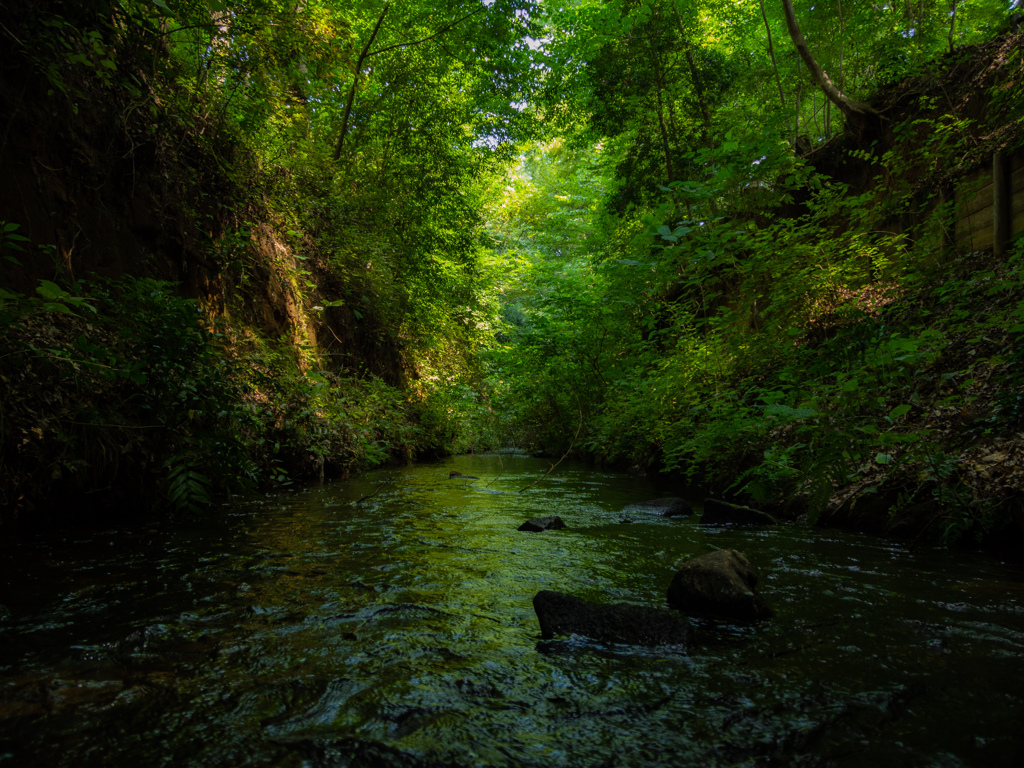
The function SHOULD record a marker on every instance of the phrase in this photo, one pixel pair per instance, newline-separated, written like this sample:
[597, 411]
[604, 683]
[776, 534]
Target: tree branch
[849, 107]
[366, 54]
[429, 37]
[355, 83]
[571, 446]
[775, 65]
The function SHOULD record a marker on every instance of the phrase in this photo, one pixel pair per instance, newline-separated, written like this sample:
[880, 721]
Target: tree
[854, 110]
[485, 39]
[367, 53]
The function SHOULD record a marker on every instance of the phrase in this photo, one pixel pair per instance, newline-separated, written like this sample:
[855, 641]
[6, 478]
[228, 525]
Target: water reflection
[307, 629]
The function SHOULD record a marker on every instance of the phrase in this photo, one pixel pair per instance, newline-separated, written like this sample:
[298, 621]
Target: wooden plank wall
[974, 226]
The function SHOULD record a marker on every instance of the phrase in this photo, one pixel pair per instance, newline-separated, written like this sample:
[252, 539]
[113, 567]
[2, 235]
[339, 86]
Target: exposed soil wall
[111, 184]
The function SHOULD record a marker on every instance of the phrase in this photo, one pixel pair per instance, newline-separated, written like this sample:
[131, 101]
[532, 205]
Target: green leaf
[898, 411]
[50, 290]
[776, 409]
[56, 306]
[883, 458]
[79, 302]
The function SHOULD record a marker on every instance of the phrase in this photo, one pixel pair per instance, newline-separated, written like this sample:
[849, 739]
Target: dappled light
[335, 332]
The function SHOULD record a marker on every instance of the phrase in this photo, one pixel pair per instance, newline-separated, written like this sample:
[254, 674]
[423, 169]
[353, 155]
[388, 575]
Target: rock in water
[670, 506]
[562, 614]
[718, 584]
[724, 513]
[552, 523]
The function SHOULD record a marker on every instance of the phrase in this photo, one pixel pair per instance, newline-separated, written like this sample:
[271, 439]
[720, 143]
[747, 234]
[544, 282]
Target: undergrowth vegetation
[120, 389]
[289, 295]
[822, 362]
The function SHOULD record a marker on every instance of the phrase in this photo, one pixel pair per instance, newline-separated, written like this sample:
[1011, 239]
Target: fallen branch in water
[370, 496]
[501, 464]
[568, 451]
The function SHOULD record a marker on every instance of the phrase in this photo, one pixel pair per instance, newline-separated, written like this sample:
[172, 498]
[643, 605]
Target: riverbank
[123, 400]
[832, 334]
[186, 309]
[933, 380]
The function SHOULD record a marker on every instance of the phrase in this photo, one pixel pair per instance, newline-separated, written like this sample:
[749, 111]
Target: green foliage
[11, 242]
[666, 282]
[188, 490]
[696, 332]
[142, 387]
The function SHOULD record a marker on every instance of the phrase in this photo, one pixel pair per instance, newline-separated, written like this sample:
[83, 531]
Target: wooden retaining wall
[990, 206]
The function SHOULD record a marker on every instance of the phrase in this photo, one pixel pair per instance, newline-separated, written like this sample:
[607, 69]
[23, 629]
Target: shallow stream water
[304, 629]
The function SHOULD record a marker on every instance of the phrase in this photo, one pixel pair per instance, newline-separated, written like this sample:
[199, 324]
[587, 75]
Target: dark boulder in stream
[724, 513]
[671, 506]
[719, 584]
[562, 614]
[535, 524]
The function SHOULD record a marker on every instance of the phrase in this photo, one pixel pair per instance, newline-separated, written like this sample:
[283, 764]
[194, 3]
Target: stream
[304, 629]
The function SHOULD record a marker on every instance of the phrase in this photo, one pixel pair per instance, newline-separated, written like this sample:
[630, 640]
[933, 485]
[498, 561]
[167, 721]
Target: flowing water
[308, 630]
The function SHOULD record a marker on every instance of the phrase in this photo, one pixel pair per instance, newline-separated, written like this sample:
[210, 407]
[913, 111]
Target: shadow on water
[307, 630]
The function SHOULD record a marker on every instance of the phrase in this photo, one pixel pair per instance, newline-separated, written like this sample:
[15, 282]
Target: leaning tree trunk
[853, 109]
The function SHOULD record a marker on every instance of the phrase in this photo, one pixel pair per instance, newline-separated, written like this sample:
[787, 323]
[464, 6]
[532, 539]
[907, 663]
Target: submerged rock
[718, 584]
[670, 506]
[724, 513]
[552, 523]
[562, 614]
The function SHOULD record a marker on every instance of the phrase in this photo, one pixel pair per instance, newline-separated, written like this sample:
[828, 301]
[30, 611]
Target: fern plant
[188, 490]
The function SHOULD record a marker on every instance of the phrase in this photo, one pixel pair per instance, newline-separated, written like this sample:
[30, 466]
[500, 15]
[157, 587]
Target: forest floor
[966, 474]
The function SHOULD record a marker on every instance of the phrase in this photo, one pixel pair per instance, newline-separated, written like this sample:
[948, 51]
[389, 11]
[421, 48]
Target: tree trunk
[775, 66]
[355, 82]
[952, 24]
[852, 108]
[698, 84]
[366, 54]
[664, 135]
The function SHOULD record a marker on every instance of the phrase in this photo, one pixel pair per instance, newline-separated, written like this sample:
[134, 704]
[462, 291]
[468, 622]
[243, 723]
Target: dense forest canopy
[661, 234]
